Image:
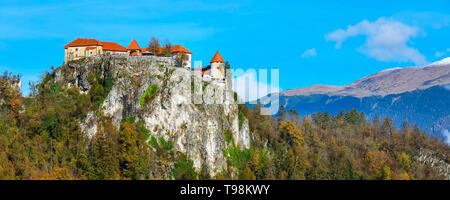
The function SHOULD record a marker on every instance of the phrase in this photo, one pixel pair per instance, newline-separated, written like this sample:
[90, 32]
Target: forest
[40, 139]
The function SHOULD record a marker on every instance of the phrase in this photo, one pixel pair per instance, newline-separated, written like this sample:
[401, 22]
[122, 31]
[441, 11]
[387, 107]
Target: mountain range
[417, 95]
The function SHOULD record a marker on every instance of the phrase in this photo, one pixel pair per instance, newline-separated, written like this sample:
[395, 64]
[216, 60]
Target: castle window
[76, 49]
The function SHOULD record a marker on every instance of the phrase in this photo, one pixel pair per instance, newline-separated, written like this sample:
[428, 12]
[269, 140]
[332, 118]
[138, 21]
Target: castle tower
[217, 67]
[133, 49]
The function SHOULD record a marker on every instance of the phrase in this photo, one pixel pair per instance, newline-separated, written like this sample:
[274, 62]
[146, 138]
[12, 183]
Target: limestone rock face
[194, 117]
[436, 161]
[16, 85]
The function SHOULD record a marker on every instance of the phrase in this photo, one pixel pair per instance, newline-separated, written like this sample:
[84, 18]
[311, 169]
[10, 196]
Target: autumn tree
[296, 154]
[181, 59]
[282, 116]
[104, 154]
[289, 132]
[154, 46]
[167, 50]
[134, 156]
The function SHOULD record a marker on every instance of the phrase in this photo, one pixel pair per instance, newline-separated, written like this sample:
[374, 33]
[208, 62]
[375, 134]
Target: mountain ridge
[390, 81]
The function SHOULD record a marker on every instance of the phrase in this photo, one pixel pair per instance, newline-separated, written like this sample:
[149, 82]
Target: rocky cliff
[10, 86]
[170, 100]
[436, 160]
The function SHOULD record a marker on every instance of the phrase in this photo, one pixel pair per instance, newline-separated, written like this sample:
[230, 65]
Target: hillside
[152, 96]
[133, 118]
[168, 111]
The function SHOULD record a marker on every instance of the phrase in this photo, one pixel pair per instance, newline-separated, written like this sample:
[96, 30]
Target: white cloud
[386, 40]
[309, 53]
[446, 134]
[439, 54]
[249, 88]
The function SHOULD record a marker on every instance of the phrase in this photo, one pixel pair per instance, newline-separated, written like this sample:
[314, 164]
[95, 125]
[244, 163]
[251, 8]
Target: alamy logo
[215, 86]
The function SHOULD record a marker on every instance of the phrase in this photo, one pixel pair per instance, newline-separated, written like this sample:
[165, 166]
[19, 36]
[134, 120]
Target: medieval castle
[82, 48]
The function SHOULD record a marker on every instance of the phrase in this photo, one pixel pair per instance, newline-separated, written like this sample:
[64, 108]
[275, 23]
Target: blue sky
[310, 42]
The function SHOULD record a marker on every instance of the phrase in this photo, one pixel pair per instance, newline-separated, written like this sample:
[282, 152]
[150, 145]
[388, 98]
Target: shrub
[153, 142]
[109, 82]
[142, 130]
[184, 168]
[166, 145]
[130, 120]
[238, 158]
[227, 136]
[241, 119]
[148, 94]
[205, 84]
[100, 89]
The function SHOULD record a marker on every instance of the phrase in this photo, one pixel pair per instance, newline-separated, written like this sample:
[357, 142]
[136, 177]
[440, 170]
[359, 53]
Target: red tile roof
[133, 45]
[179, 48]
[89, 48]
[174, 49]
[217, 58]
[112, 46]
[82, 42]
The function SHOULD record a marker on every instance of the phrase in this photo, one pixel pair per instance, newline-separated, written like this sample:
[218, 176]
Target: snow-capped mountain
[417, 95]
[390, 81]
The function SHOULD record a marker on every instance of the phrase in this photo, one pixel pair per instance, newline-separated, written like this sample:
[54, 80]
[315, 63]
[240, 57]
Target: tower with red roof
[217, 67]
[133, 49]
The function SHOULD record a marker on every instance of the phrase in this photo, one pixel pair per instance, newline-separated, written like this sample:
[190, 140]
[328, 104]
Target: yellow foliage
[375, 159]
[404, 176]
[288, 128]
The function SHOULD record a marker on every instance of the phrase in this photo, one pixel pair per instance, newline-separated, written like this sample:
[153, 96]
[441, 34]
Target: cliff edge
[175, 104]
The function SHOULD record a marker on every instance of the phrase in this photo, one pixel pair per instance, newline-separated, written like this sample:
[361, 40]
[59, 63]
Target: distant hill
[391, 81]
[428, 109]
[417, 95]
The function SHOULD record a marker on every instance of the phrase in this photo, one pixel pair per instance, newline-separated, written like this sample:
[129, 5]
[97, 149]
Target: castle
[82, 48]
